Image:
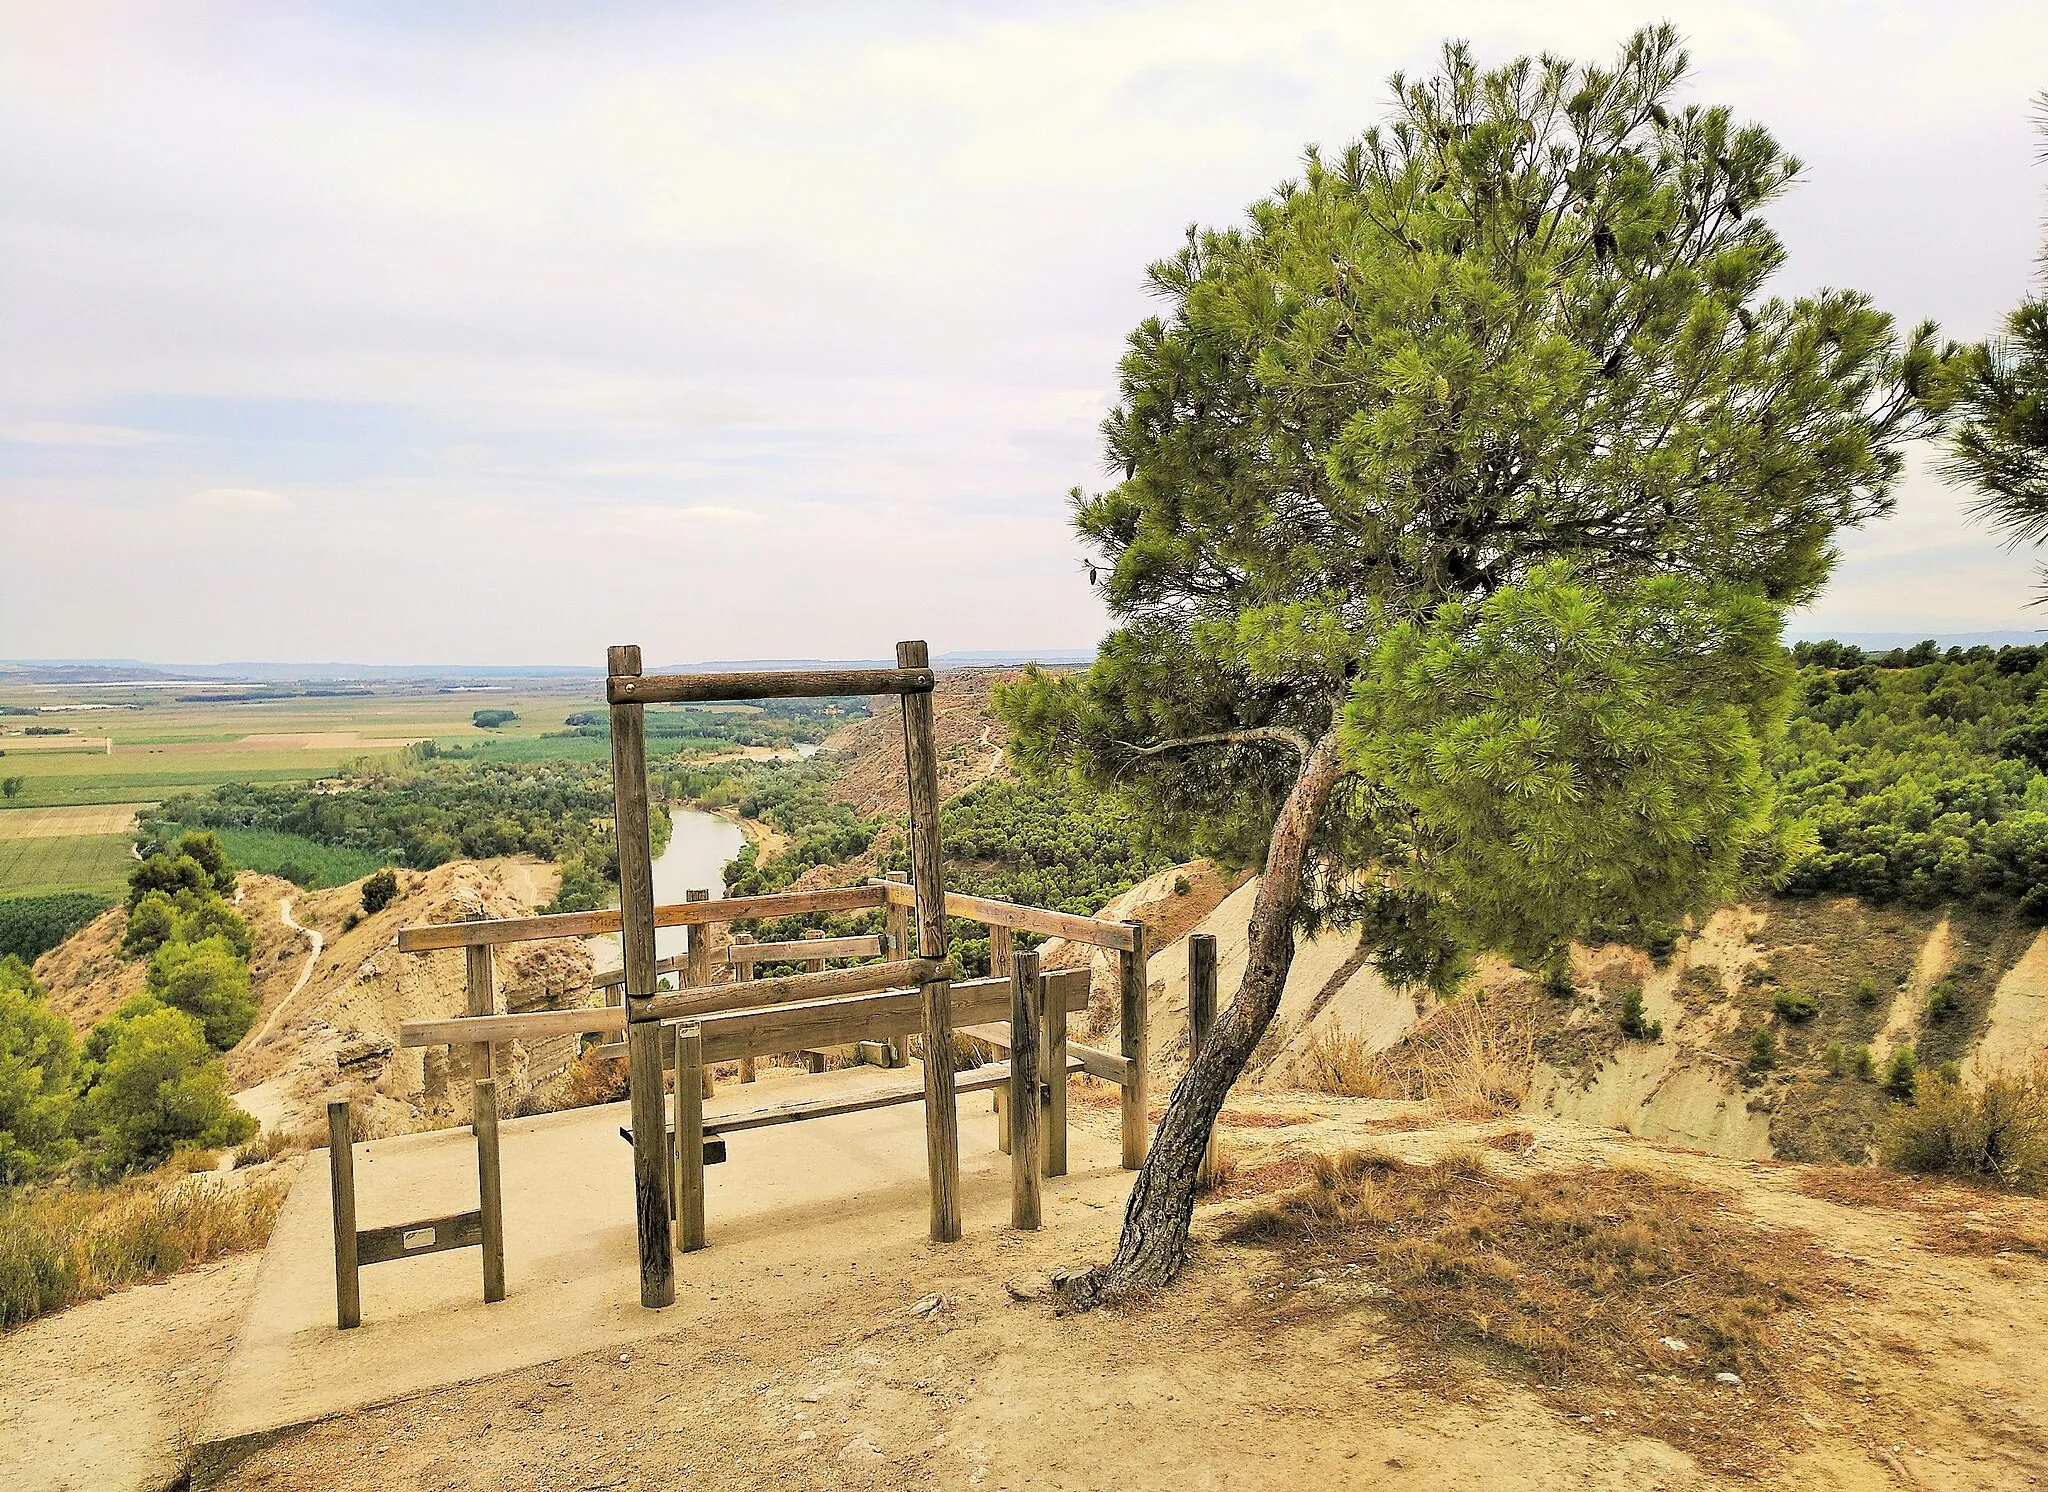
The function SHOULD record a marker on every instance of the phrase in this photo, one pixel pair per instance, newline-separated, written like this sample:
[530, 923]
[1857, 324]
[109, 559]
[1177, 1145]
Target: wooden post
[1052, 1076]
[697, 964]
[1201, 1017]
[689, 1137]
[1027, 1006]
[928, 879]
[482, 1000]
[1002, 946]
[1134, 1017]
[643, 1037]
[896, 926]
[814, 1061]
[341, 1174]
[489, 1190]
[741, 973]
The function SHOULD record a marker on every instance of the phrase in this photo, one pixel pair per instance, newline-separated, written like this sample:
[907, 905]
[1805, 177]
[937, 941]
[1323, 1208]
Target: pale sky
[497, 333]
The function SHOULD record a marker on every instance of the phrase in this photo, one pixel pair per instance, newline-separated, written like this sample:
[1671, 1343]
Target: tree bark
[1154, 1245]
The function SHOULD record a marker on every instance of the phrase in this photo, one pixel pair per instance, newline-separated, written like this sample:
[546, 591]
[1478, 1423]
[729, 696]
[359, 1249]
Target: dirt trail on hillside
[317, 942]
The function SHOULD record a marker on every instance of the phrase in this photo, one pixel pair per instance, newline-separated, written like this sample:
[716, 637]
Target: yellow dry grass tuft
[1996, 1131]
[60, 1246]
[1338, 1062]
[1581, 1280]
[1474, 1059]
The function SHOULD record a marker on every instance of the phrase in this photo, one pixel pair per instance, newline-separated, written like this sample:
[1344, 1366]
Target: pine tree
[1998, 392]
[1463, 491]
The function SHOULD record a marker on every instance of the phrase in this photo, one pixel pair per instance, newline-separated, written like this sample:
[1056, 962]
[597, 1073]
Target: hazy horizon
[501, 333]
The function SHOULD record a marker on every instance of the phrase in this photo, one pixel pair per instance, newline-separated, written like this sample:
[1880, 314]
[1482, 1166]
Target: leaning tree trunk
[1154, 1244]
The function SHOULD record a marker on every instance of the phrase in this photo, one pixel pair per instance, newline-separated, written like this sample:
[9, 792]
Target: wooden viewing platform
[899, 985]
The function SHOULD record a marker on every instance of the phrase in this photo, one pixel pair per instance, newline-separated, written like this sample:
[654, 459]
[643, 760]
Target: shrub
[1998, 1132]
[1634, 1024]
[36, 1066]
[379, 891]
[1337, 1062]
[1866, 993]
[1763, 1050]
[31, 926]
[1795, 1006]
[1944, 1000]
[1835, 1059]
[1557, 978]
[209, 981]
[59, 1247]
[204, 846]
[152, 922]
[1181, 886]
[159, 1087]
[1903, 1075]
[1863, 1064]
[175, 875]
[492, 719]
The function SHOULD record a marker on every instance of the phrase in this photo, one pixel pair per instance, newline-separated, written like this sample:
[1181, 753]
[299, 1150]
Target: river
[698, 847]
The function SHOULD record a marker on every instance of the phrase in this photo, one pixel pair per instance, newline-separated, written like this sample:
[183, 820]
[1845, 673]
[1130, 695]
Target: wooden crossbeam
[806, 949]
[1094, 1061]
[427, 938]
[859, 980]
[706, 688]
[1091, 930]
[743, 1031]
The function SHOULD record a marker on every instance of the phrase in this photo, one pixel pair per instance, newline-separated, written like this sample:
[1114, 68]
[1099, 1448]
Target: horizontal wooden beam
[859, 980]
[1092, 930]
[705, 688]
[900, 1091]
[1110, 1066]
[873, 946]
[732, 1034]
[433, 1235]
[427, 938]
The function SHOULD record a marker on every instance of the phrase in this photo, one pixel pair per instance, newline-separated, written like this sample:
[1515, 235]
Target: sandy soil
[105, 1395]
[1927, 1370]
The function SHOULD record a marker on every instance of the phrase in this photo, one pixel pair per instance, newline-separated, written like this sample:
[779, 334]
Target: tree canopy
[1495, 395]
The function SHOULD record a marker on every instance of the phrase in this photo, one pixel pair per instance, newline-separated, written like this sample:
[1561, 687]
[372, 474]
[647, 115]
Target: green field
[307, 862]
[163, 745]
[89, 862]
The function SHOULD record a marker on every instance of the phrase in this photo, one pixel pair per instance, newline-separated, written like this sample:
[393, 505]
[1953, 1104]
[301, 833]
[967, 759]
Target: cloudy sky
[500, 332]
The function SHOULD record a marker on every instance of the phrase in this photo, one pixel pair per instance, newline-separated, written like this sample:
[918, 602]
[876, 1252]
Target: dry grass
[271, 1143]
[1473, 1059]
[1340, 1063]
[592, 1079]
[1958, 1216]
[61, 1246]
[1573, 1279]
[1997, 1132]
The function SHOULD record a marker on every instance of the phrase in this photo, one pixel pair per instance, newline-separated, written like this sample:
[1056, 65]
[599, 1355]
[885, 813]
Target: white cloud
[791, 293]
[242, 500]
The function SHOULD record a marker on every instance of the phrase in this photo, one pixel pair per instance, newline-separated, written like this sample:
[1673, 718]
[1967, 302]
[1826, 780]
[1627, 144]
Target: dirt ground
[1913, 1365]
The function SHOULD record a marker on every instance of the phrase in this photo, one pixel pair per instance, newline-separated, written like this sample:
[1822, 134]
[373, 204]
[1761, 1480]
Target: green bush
[152, 922]
[37, 1062]
[31, 926]
[1944, 1000]
[177, 876]
[1866, 993]
[205, 847]
[1763, 1050]
[156, 1086]
[1795, 1006]
[492, 719]
[379, 891]
[1835, 1059]
[1998, 1132]
[1903, 1075]
[1634, 1024]
[208, 980]
[1863, 1064]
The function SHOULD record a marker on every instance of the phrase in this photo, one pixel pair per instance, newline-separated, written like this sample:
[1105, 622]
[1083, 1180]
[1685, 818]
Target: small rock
[1733, 1380]
[813, 1394]
[807, 1435]
[1673, 1344]
[859, 1450]
[930, 1306]
[1030, 1287]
